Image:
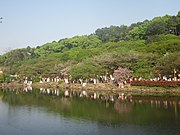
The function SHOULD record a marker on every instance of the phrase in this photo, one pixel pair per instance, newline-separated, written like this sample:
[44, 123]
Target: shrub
[156, 83]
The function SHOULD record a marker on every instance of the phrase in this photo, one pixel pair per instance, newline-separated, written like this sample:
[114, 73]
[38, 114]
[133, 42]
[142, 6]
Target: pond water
[33, 112]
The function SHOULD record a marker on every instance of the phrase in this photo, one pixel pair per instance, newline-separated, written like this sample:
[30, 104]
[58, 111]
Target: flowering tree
[122, 74]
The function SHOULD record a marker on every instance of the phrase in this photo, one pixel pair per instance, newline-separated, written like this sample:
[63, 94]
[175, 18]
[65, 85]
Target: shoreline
[101, 87]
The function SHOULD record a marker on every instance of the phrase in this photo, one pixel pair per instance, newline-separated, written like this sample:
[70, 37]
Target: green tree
[113, 33]
[156, 27]
[86, 70]
[167, 63]
[139, 32]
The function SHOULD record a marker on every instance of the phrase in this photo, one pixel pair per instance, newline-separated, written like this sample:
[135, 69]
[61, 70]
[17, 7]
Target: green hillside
[147, 48]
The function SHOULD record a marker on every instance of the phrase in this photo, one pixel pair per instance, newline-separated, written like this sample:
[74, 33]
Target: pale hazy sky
[35, 22]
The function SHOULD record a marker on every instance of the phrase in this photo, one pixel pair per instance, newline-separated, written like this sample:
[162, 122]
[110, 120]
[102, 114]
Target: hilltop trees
[113, 33]
[141, 30]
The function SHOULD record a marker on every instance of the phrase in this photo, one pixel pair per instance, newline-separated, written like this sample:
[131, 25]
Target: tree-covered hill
[147, 48]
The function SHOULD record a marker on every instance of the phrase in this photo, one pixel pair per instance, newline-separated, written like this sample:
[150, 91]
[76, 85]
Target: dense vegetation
[147, 48]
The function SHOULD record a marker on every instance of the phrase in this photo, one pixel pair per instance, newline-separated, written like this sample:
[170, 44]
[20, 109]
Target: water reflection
[110, 97]
[114, 111]
[92, 105]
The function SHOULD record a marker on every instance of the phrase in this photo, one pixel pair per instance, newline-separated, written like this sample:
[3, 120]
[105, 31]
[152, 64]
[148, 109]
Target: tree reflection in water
[96, 106]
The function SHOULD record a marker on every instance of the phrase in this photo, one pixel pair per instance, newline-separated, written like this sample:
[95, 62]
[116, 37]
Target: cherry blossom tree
[122, 74]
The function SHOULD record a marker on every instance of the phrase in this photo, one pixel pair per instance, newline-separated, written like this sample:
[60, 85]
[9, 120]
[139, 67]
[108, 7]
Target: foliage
[112, 34]
[147, 48]
[86, 70]
[139, 32]
[157, 26]
[67, 44]
[167, 63]
[1, 78]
